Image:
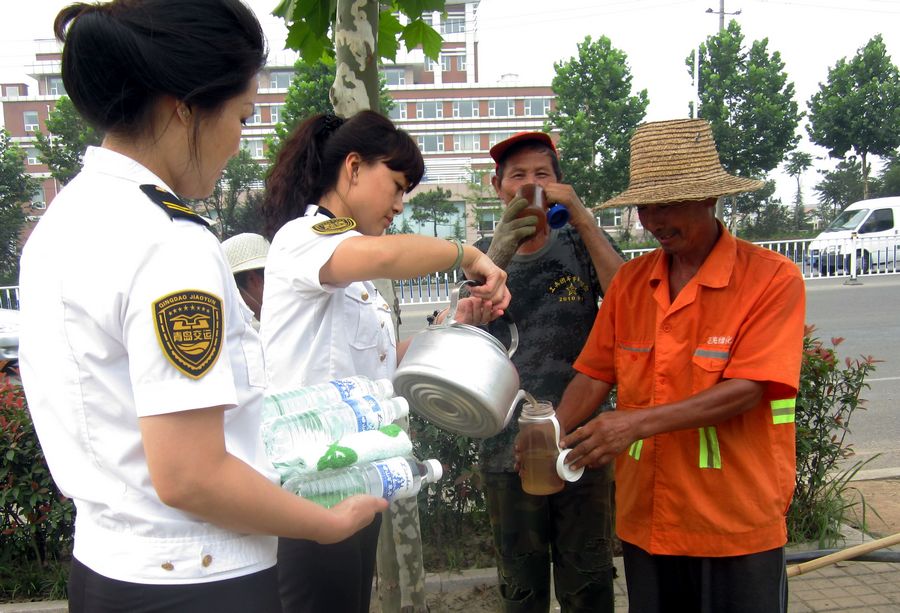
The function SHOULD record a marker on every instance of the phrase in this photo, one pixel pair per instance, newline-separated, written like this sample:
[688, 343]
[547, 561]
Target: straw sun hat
[674, 161]
[245, 252]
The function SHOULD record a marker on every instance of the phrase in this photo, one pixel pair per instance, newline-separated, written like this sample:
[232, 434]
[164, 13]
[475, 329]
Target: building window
[280, 80]
[429, 65]
[537, 107]
[33, 156]
[398, 111]
[461, 62]
[465, 108]
[394, 76]
[31, 121]
[12, 91]
[275, 112]
[255, 118]
[430, 143]
[496, 137]
[454, 24]
[445, 63]
[37, 199]
[466, 142]
[505, 107]
[55, 86]
[487, 221]
[255, 147]
[429, 110]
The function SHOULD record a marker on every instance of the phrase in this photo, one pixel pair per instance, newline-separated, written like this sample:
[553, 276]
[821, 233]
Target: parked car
[9, 339]
[868, 228]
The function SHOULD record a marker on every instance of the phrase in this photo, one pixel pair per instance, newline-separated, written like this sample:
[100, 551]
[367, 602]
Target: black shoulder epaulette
[171, 204]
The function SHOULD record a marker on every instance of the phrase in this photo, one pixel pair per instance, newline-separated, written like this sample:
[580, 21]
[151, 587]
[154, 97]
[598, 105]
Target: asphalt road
[867, 316]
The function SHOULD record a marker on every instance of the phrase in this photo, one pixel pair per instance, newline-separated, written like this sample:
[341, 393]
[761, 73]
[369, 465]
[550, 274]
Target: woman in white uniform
[141, 370]
[330, 196]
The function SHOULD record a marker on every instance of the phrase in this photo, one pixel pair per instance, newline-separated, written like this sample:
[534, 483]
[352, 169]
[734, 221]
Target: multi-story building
[454, 117]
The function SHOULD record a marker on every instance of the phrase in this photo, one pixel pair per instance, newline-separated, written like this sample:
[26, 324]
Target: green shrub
[452, 513]
[38, 521]
[828, 397]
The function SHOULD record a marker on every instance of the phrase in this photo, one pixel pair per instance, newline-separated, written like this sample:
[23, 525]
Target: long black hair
[310, 160]
[120, 57]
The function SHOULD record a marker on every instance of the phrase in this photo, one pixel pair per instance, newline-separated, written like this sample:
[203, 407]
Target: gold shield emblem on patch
[338, 225]
[189, 330]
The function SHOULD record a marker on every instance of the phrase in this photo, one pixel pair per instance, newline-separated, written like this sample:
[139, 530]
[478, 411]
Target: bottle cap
[566, 472]
[557, 216]
[434, 469]
[386, 387]
[402, 406]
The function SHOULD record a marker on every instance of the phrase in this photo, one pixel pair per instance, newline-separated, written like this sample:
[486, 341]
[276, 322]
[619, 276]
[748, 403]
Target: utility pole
[720, 205]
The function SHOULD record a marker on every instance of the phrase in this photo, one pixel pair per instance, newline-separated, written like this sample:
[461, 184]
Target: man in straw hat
[703, 339]
[246, 254]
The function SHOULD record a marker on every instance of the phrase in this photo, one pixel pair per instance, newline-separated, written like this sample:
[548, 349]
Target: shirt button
[207, 560]
[382, 324]
[382, 357]
[365, 295]
[667, 327]
[168, 566]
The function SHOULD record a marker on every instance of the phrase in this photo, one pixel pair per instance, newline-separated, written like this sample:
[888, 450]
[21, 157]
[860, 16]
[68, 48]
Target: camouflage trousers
[571, 529]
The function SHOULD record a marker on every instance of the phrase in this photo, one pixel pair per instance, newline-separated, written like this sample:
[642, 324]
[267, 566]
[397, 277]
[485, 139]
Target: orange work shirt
[721, 490]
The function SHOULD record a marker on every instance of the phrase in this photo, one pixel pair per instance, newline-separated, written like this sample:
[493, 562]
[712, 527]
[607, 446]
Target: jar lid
[566, 472]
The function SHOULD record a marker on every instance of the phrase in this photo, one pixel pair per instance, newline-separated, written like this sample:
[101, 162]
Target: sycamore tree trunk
[401, 572]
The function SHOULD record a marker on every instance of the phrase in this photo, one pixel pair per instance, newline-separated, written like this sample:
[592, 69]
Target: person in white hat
[246, 254]
[703, 340]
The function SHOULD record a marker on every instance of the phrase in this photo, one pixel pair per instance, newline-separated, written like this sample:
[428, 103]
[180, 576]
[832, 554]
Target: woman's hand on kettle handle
[473, 311]
[477, 265]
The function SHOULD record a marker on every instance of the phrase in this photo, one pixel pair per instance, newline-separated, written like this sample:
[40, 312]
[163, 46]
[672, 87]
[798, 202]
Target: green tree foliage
[70, 135]
[890, 177]
[596, 114]
[16, 188]
[228, 204]
[838, 188]
[308, 95]
[746, 97]
[310, 24]
[859, 107]
[433, 206]
[797, 163]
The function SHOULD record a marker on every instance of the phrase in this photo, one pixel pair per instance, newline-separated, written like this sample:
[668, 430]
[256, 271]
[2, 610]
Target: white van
[868, 228]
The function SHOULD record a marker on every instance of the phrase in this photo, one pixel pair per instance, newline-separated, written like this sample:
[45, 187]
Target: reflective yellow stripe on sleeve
[709, 448]
[783, 410]
[635, 449]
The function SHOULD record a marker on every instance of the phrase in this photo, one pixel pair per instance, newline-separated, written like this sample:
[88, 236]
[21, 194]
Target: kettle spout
[520, 395]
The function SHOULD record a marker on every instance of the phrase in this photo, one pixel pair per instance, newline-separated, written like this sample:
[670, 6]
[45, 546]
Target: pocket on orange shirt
[634, 373]
[709, 362]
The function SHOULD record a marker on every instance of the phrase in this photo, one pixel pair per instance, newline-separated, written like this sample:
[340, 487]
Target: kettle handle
[450, 319]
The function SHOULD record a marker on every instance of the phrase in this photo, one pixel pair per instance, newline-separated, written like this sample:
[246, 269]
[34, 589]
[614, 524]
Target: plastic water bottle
[322, 394]
[286, 436]
[392, 479]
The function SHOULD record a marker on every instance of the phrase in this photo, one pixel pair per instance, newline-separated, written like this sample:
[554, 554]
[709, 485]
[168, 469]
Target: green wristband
[459, 256]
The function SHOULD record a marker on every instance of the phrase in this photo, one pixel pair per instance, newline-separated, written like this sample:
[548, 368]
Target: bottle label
[396, 478]
[348, 388]
[369, 415]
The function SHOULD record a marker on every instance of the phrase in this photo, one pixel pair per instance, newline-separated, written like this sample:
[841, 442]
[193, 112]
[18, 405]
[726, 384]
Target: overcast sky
[526, 37]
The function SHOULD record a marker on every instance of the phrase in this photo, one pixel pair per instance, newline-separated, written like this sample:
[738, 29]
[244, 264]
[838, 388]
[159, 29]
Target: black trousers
[336, 578]
[754, 583]
[90, 592]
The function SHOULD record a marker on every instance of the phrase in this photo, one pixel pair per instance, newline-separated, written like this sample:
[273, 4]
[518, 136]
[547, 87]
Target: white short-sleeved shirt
[93, 362]
[314, 332]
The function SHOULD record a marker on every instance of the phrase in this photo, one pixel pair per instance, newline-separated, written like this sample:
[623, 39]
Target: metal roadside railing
[816, 259]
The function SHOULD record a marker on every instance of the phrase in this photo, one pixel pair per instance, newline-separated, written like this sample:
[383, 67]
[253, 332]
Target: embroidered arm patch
[189, 330]
[338, 225]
